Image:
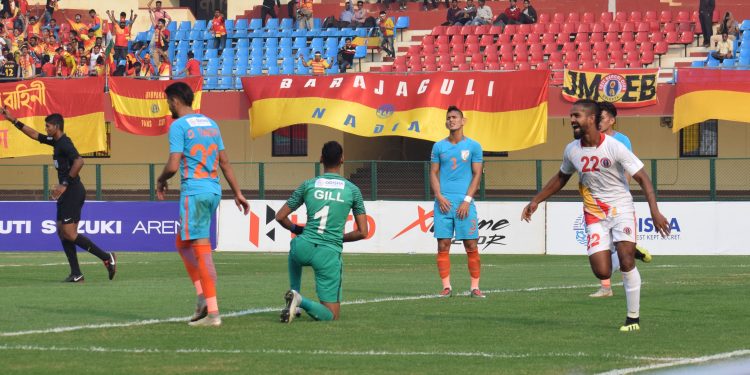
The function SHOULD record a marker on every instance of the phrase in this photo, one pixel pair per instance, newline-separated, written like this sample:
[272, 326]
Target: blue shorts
[445, 224]
[195, 215]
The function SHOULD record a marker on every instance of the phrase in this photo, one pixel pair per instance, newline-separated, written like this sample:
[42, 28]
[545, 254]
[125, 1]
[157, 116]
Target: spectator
[453, 16]
[728, 25]
[48, 68]
[54, 30]
[387, 34]
[99, 68]
[484, 14]
[158, 13]
[50, 45]
[95, 54]
[511, 16]
[49, 9]
[89, 40]
[317, 63]
[76, 25]
[402, 5]
[26, 62]
[705, 16]
[66, 63]
[434, 4]
[725, 48]
[135, 71]
[346, 55]
[290, 9]
[132, 57]
[192, 67]
[96, 23]
[219, 31]
[268, 10]
[122, 35]
[10, 68]
[360, 15]
[84, 67]
[123, 18]
[467, 14]
[347, 15]
[165, 68]
[528, 15]
[160, 40]
[305, 15]
[147, 68]
[33, 28]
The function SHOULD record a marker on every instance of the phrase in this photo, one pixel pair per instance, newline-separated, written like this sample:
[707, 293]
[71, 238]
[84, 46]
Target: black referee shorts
[69, 205]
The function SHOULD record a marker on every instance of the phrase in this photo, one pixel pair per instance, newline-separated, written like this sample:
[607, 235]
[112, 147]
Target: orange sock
[191, 263]
[207, 276]
[607, 284]
[444, 267]
[474, 267]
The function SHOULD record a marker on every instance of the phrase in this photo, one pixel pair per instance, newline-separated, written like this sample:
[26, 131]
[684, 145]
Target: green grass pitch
[537, 319]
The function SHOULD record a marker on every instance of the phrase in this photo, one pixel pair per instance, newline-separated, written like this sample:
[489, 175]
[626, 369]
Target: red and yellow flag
[140, 106]
[504, 111]
[79, 101]
[705, 94]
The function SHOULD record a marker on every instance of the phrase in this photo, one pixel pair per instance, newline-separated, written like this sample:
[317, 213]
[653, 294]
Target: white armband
[468, 199]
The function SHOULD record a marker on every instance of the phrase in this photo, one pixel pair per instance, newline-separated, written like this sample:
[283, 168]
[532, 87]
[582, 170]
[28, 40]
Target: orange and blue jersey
[199, 140]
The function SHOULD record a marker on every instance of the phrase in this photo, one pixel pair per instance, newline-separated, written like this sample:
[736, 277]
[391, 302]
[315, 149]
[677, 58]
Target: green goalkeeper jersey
[328, 199]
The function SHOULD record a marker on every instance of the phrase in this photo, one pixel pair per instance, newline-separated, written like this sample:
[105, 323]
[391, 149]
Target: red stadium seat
[518, 40]
[506, 49]
[628, 27]
[647, 46]
[444, 48]
[493, 66]
[482, 30]
[524, 29]
[588, 65]
[556, 56]
[563, 37]
[634, 60]
[550, 48]
[503, 39]
[606, 18]
[557, 65]
[458, 39]
[641, 37]
[654, 26]
[558, 18]
[672, 37]
[569, 47]
[548, 38]
[598, 28]
[572, 65]
[647, 58]
[650, 16]
[554, 28]
[537, 55]
[510, 29]
[445, 67]
[430, 59]
[543, 18]
[490, 50]
[400, 68]
[661, 48]
[492, 58]
[428, 40]
[584, 47]
[601, 55]
[477, 57]
[687, 38]
[665, 16]
[694, 17]
[464, 67]
[614, 46]
[612, 36]
[414, 50]
[574, 17]
[400, 60]
[657, 37]
[683, 16]
[453, 30]
[539, 28]
[586, 56]
[496, 30]
[616, 55]
[584, 28]
[478, 66]
[458, 48]
[604, 64]
[387, 68]
[442, 39]
[627, 37]
[582, 38]
[570, 28]
[669, 27]
[487, 40]
[588, 17]
[524, 66]
[472, 39]
[635, 16]
[472, 48]
[430, 68]
[613, 27]
[439, 30]
[533, 38]
[467, 30]
[600, 46]
[542, 66]
[684, 26]
[596, 37]
[570, 56]
[621, 17]
[506, 57]
[508, 66]
[630, 46]
[621, 64]
[522, 56]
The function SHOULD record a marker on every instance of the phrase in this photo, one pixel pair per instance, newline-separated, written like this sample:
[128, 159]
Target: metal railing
[695, 179]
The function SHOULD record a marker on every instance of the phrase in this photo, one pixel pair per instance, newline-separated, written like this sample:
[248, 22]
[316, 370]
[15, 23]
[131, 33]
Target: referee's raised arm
[30, 132]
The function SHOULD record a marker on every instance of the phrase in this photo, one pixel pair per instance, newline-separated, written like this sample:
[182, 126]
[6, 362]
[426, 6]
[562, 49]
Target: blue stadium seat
[229, 53]
[331, 54]
[241, 24]
[172, 27]
[211, 53]
[229, 25]
[285, 52]
[332, 42]
[305, 52]
[255, 24]
[697, 64]
[241, 67]
[272, 24]
[299, 33]
[285, 42]
[401, 24]
[713, 63]
[317, 23]
[745, 25]
[226, 82]
[728, 63]
[334, 69]
[184, 25]
[273, 70]
[243, 43]
[317, 44]
[287, 24]
[272, 43]
[361, 32]
[257, 43]
[256, 53]
[200, 25]
[210, 82]
[242, 53]
[197, 35]
[198, 54]
[360, 52]
[255, 70]
[300, 42]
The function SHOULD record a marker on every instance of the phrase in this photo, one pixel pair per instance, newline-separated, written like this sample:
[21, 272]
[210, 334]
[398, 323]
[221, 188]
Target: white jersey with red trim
[602, 182]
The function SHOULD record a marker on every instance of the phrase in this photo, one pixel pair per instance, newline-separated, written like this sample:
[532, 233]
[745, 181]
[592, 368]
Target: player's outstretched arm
[31, 133]
[360, 232]
[226, 169]
[445, 204]
[660, 222]
[173, 164]
[554, 185]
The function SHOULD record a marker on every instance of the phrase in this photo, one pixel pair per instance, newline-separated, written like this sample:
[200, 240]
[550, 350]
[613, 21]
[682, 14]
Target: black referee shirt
[64, 154]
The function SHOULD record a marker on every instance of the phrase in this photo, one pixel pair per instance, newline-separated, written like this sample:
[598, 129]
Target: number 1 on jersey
[323, 216]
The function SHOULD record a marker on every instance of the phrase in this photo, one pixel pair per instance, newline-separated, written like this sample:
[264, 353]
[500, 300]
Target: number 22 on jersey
[205, 154]
[594, 164]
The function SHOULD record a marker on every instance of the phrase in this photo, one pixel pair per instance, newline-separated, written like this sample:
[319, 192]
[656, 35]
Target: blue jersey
[198, 138]
[623, 139]
[455, 165]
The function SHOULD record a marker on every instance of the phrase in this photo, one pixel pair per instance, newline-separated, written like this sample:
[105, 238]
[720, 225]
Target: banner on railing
[505, 111]
[140, 106]
[625, 88]
[79, 101]
[114, 226]
[394, 227]
[705, 94]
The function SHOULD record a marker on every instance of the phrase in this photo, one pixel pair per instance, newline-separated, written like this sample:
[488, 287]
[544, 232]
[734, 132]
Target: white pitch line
[269, 309]
[372, 352]
[679, 362]
[62, 264]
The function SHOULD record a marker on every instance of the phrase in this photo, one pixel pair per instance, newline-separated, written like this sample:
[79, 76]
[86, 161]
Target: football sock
[631, 280]
[191, 264]
[316, 310]
[72, 255]
[84, 243]
[444, 267]
[207, 273]
[606, 284]
[474, 267]
[629, 321]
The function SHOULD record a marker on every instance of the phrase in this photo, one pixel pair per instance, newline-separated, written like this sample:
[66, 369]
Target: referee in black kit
[70, 193]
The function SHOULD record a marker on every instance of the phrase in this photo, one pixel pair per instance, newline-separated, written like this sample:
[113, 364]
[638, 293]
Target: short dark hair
[123, 14]
[331, 154]
[592, 107]
[382, 12]
[57, 120]
[347, 40]
[158, 1]
[137, 64]
[190, 54]
[162, 21]
[181, 91]
[609, 108]
[453, 108]
[92, 11]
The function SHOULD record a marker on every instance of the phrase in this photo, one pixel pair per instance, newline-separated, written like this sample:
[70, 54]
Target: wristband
[18, 125]
[65, 182]
[468, 199]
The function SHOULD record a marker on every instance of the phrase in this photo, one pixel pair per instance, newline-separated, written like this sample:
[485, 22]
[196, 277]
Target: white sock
[615, 262]
[631, 280]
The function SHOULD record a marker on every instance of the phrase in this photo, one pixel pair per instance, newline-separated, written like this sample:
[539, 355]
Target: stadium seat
[712, 63]
[729, 63]
[697, 64]
[508, 66]
[272, 24]
[665, 16]
[401, 24]
[255, 24]
[544, 18]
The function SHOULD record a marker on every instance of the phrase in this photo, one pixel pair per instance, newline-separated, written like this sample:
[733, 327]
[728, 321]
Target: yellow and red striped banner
[140, 106]
[705, 94]
[79, 101]
[504, 111]
[629, 88]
